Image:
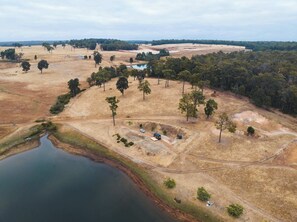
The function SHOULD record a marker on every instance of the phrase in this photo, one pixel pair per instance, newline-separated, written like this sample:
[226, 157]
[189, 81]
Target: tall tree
[63, 45]
[122, 84]
[144, 86]
[134, 73]
[210, 107]
[73, 85]
[113, 101]
[42, 64]
[184, 76]
[97, 58]
[187, 106]
[26, 66]
[198, 99]
[224, 123]
[102, 77]
[168, 74]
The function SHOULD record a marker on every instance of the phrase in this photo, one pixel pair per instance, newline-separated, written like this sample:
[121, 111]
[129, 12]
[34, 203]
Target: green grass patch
[30, 134]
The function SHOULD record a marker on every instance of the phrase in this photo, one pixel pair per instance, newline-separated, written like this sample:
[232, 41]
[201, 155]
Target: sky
[148, 19]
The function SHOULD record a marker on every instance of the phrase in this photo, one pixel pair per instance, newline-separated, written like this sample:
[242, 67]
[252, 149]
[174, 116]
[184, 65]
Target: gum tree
[144, 86]
[113, 101]
[224, 123]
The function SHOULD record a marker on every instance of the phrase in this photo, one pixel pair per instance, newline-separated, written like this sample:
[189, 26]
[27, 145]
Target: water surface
[49, 185]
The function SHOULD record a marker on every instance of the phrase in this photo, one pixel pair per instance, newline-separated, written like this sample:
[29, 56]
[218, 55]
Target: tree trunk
[104, 86]
[143, 96]
[220, 135]
[187, 117]
[183, 87]
[158, 79]
[113, 119]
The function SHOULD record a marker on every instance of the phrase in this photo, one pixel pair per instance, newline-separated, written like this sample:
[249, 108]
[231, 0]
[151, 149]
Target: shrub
[250, 131]
[57, 108]
[118, 136]
[169, 183]
[130, 143]
[164, 132]
[62, 100]
[123, 140]
[202, 194]
[235, 210]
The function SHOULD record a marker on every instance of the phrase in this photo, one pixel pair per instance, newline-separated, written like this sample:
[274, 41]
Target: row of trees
[62, 100]
[105, 44]
[256, 46]
[269, 79]
[150, 56]
[42, 64]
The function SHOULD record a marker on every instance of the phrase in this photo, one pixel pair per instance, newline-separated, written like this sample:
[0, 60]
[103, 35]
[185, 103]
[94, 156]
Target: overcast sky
[148, 19]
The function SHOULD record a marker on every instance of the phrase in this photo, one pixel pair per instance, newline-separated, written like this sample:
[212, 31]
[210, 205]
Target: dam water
[47, 184]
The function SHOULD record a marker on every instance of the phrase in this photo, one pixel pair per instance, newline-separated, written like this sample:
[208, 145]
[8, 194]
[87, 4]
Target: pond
[47, 184]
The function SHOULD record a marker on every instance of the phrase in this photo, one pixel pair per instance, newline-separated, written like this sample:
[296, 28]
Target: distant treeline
[105, 44]
[268, 78]
[28, 43]
[255, 46]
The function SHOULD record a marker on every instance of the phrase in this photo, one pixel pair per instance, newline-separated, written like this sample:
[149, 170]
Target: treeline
[26, 43]
[150, 56]
[106, 44]
[252, 45]
[269, 79]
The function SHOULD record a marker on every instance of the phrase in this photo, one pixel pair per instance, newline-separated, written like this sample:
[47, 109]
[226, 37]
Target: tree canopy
[97, 58]
[144, 87]
[224, 123]
[186, 105]
[113, 101]
[73, 85]
[26, 66]
[122, 84]
[42, 64]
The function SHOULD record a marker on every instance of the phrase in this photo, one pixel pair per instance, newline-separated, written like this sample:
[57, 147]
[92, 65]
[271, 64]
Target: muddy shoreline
[175, 213]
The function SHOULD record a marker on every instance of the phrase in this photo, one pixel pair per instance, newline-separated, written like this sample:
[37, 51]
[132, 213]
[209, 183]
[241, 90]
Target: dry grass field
[244, 168]
[258, 172]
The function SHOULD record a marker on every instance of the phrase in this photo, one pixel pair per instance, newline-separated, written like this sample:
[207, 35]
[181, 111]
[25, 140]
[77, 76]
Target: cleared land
[258, 172]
